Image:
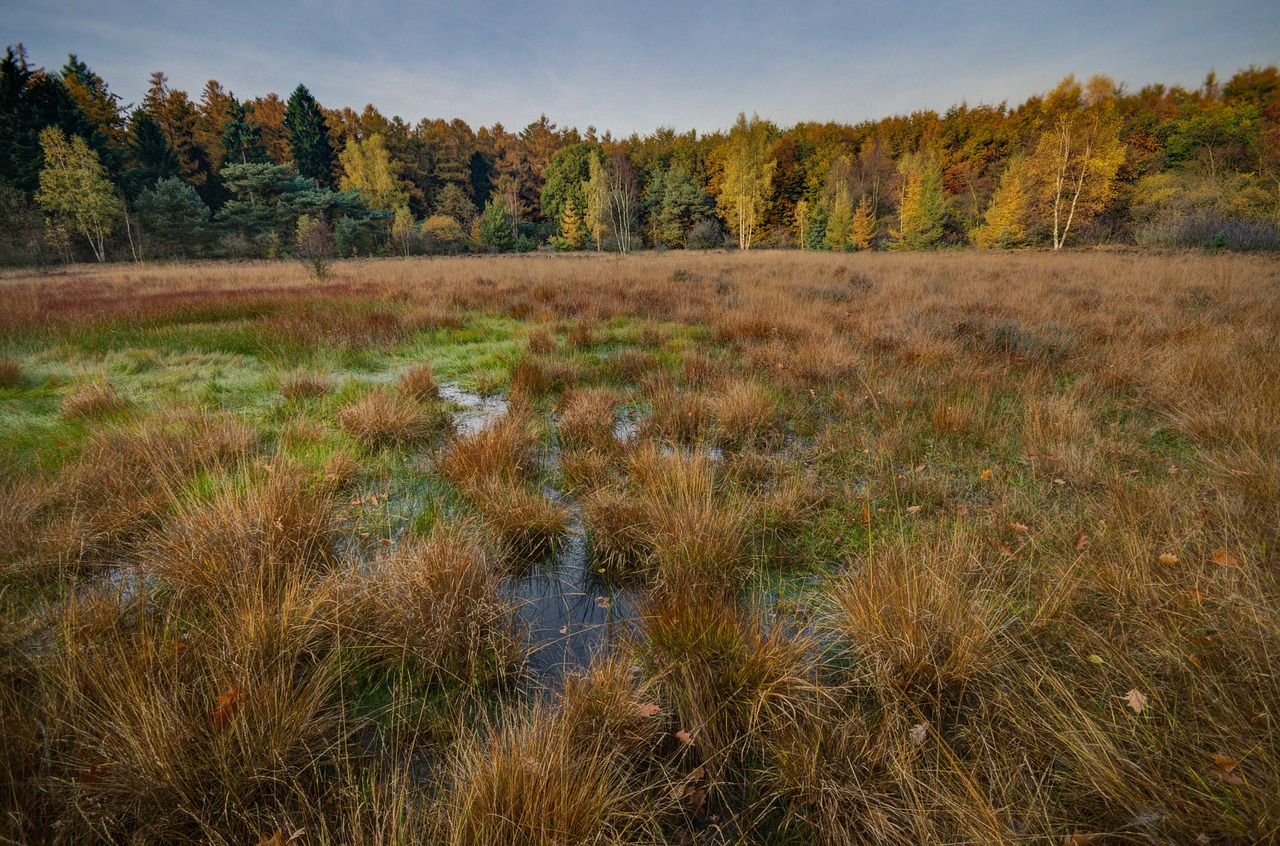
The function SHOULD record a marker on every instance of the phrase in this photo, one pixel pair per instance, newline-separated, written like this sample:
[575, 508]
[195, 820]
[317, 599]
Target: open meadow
[768, 547]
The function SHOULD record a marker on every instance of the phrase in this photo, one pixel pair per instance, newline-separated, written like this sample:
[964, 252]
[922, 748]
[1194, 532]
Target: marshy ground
[679, 548]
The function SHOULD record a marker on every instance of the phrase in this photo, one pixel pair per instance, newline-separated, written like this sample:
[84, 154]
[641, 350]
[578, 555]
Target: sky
[633, 67]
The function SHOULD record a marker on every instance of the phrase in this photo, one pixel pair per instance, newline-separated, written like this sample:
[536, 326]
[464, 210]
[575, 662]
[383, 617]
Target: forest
[85, 176]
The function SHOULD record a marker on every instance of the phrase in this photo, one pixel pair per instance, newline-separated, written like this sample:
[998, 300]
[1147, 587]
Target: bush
[706, 234]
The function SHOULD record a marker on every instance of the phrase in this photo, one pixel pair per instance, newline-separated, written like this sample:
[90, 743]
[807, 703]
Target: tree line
[83, 175]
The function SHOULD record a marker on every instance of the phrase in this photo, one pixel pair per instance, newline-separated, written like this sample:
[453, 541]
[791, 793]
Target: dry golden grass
[381, 419]
[419, 383]
[304, 386]
[437, 606]
[1033, 497]
[10, 373]
[91, 400]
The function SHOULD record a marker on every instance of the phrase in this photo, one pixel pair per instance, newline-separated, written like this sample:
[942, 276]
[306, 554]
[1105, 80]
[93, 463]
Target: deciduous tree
[747, 179]
[74, 189]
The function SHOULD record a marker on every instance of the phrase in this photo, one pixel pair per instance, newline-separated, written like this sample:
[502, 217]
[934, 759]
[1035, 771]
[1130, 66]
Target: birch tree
[74, 189]
[747, 180]
[1075, 163]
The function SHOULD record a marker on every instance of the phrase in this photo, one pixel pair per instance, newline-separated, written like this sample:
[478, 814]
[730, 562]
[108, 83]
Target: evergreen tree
[573, 233]
[309, 137]
[173, 217]
[150, 156]
[922, 209]
[454, 202]
[241, 139]
[569, 169]
[677, 204]
[495, 229]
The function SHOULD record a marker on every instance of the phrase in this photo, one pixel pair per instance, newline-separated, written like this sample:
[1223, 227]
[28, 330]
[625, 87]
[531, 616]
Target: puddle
[477, 410]
[571, 617]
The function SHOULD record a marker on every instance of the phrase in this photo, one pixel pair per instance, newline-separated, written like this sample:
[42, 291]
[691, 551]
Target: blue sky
[636, 66]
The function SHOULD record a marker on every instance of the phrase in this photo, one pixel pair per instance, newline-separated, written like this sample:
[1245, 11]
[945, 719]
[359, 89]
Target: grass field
[675, 548]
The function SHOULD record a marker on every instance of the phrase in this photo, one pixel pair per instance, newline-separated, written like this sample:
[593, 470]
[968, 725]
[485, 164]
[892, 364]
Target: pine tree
[309, 137]
[74, 188]
[922, 209]
[241, 139]
[149, 154]
[573, 233]
[863, 231]
[173, 217]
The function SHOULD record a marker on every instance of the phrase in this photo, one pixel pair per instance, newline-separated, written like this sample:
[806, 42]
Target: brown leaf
[866, 515]
[913, 509]
[1084, 840]
[1007, 550]
[1227, 764]
[1136, 700]
[276, 839]
[648, 709]
[1225, 559]
[1020, 528]
[1231, 777]
[1168, 558]
[986, 475]
[228, 705]
[918, 734]
[602, 602]
[1082, 540]
[684, 737]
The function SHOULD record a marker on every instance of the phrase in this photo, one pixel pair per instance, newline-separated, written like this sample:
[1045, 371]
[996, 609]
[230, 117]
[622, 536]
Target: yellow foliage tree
[1079, 153]
[747, 180]
[367, 167]
[863, 230]
[1005, 222]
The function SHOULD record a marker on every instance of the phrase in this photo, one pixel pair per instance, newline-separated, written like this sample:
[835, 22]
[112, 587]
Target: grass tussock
[436, 606]
[503, 450]
[380, 420]
[745, 415]
[10, 374]
[304, 386]
[258, 528]
[91, 401]
[587, 418]
[419, 383]
[534, 778]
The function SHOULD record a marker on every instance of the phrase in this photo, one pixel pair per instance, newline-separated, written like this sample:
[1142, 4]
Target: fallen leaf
[1231, 777]
[684, 737]
[918, 733]
[276, 839]
[602, 602]
[227, 706]
[1082, 540]
[1097, 659]
[1136, 700]
[1059, 481]
[1227, 764]
[1225, 559]
[1020, 528]
[986, 475]
[648, 709]
[914, 509]
[1084, 839]
[866, 515]
[1168, 558]
[564, 630]
[1007, 550]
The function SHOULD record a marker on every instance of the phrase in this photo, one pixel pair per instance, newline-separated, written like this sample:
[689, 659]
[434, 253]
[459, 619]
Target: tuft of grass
[437, 606]
[255, 529]
[91, 400]
[918, 619]
[419, 383]
[530, 524]
[745, 415]
[304, 386]
[381, 419]
[619, 531]
[586, 420]
[503, 450]
[535, 779]
[675, 414]
[10, 374]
